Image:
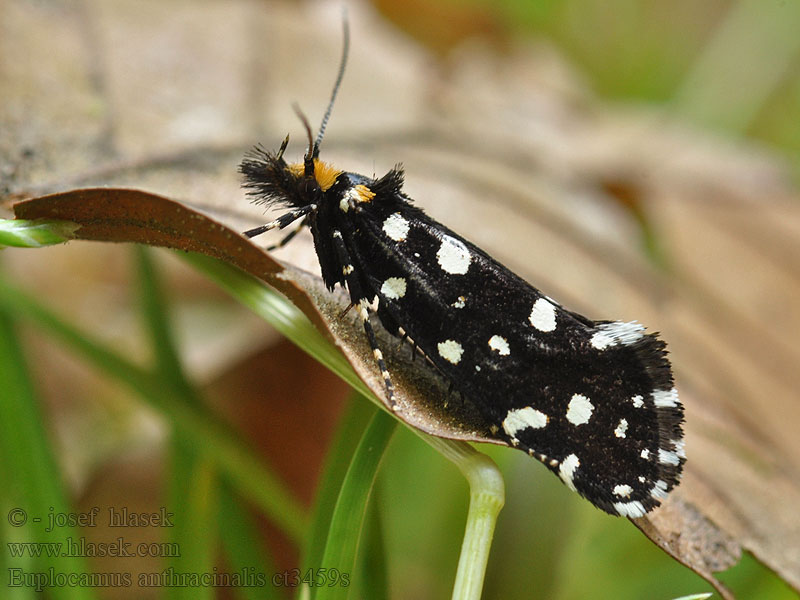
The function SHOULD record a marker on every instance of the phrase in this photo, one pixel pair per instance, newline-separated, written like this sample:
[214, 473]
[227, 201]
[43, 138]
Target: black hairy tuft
[268, 181]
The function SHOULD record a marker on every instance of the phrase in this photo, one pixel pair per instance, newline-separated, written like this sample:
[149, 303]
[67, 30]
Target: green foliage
[32, 483]
[730, 66]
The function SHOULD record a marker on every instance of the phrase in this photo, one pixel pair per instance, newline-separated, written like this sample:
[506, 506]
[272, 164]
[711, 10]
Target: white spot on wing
[623, 490]
[567, 470]
[617, 332]
[630, 509]
[500, 345]
[665, 457]
[453, 256]
[679, 446]
[621, 428]
[396, 227]
[579, 410]
[451, 351]
[543, 315]
[665, 399]
[461, 302]
[517, 420]
[638, 401]
[394, 288]
[659, 491]
[645, 454]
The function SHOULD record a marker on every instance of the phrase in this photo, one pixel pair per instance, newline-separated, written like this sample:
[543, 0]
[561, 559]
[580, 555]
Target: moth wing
[593, 401]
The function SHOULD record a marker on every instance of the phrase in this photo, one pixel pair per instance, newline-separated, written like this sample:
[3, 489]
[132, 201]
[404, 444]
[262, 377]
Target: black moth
[592, 400]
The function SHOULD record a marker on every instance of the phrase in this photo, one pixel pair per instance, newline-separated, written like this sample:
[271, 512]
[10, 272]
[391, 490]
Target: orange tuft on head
[324, 173]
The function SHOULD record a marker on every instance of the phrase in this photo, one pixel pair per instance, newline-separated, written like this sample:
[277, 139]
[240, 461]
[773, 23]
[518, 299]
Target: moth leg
[281, 221]
[404, 337]
[356, 294]
[288, 238]
[363, 312]
[346, 310]
[453, 393]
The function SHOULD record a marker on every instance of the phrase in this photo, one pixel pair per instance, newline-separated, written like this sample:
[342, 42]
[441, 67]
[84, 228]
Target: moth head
[324, 175]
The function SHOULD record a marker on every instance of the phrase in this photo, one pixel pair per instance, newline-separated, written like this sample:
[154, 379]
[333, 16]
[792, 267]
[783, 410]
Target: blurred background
[633, 159]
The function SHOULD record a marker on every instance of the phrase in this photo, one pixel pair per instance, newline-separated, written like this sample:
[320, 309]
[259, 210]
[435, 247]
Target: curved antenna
[339, 77]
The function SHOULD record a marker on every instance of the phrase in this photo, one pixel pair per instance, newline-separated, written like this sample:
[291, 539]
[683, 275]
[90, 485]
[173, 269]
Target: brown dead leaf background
[513, 152]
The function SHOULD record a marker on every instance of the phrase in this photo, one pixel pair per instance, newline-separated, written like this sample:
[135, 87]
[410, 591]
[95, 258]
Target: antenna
[339, 77]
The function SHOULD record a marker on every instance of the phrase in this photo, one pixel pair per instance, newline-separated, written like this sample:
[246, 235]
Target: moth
[594, 401]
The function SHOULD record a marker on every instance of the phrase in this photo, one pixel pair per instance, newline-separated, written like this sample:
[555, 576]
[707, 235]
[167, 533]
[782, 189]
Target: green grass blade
[486, 498]
[155, 310]
[341, 547]
[239, 464]
[240, 540]
[194, 488]
[350, 430]
[35, 234]
[743, 65]
[33, 482]
[193, 478]
[373, 572]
